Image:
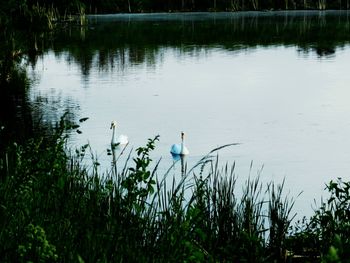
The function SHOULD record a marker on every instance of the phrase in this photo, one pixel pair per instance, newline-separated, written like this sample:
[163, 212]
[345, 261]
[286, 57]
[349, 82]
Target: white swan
[120, 140]
[180, 149]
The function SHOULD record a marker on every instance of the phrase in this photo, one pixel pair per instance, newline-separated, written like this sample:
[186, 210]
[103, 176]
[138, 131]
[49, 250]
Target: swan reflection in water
[181, 158]
[179, 151]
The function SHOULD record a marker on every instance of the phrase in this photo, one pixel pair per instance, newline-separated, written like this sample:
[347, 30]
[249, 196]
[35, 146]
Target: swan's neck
[113, 135]
[182, 145]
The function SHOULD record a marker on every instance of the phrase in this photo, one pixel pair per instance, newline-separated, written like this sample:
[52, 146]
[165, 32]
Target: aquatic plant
[330, 223]
[54, 207]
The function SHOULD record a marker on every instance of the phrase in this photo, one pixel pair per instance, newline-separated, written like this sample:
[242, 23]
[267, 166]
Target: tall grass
[54, 209]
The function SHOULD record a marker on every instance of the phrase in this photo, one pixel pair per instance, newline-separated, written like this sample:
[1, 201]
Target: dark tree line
[13, 7]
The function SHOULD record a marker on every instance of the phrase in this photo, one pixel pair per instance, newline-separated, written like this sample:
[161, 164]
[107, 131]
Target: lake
[275, 82]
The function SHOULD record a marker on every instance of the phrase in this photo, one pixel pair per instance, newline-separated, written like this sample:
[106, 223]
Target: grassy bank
[55, 209]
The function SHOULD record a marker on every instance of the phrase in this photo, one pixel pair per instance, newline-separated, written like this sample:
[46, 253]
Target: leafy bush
[331, 222]
[54, 208]
[35, 247]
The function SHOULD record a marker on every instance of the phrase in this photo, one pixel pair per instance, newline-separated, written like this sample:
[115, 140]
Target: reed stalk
[55, 208]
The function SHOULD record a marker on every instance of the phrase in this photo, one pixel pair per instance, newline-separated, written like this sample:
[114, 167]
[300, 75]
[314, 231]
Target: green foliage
[41, 17]
[302, 242]
[280, 219]
[139, 183]
[331, 222]
[53, 209]
[332, 256]
[35, 247]
[326, 234]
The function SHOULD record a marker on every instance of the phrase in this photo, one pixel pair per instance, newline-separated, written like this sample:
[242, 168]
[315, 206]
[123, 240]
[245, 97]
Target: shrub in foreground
[55, 208]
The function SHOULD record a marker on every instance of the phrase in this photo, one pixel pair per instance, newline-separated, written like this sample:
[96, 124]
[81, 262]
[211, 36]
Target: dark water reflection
[125, 40]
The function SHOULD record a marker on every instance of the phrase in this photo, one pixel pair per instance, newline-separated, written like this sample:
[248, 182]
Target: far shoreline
[223, 14]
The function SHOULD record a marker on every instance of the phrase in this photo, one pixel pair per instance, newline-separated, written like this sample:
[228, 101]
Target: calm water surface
[286, 102]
